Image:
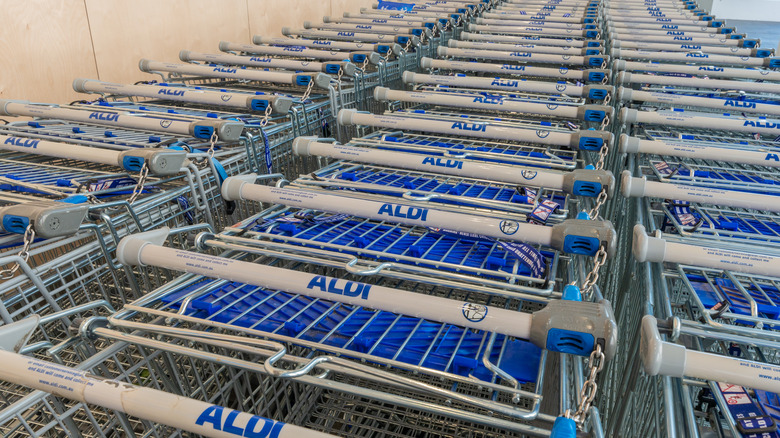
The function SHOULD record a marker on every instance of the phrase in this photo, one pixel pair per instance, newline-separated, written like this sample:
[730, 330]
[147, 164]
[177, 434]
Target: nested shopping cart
[126, 164]
[408, 367]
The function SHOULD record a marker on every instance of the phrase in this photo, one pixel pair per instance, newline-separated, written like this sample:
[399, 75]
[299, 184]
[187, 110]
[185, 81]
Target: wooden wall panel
[49, 43]
[44, 45]
[124, 31]
[338, 7]
[267, 17]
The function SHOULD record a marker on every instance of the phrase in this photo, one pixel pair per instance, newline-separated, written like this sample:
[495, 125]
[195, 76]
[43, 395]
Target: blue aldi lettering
[675, 32]
[348, 288]
[521, 54]
[347, 34]
[225, 70]
[739, 104]
[760, 124]
[677, 38]
[669, 26]
[171, 92]
[256, 59]
[438, 162]
[22, 142]
[513, 67]
[213, 415]
[465, 126]
[711, 68]
[697, 55]
[772, 157]
[504, 83]
[492, 100]
[404, 212]
[690, 46]
[106, 117]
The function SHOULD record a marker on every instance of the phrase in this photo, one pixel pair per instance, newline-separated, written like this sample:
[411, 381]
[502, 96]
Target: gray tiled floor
[768, 31]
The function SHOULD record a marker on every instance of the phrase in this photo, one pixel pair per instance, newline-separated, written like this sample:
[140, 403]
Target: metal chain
[212, 143]
[605, 122]
[338, 77]
[589, 387]
[27, 240]
[605, 148]
[387, 55]
[408, 45]
[608, 99]
[308, 91]
[600, 200]
[593, 276]
[267, 115]
[602, 156]
[140, 185]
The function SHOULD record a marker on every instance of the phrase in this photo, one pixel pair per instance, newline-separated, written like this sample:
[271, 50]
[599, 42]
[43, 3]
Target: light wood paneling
[124, 31]
[49, 43]
[338, 7]
[269, 16]
[44, 45]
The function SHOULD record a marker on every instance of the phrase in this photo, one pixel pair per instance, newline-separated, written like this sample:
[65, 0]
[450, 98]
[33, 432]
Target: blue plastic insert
[354, 234]
[133, 164]
[259, 104]
[15, 224]
[383, 335]
[201, 131]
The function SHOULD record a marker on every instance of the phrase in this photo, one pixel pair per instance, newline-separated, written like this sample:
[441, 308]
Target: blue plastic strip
[526, 254]
[433, 345]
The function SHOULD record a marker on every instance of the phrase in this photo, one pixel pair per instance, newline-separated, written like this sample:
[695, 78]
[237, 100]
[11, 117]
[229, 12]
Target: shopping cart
[178, 304]
[141, 182]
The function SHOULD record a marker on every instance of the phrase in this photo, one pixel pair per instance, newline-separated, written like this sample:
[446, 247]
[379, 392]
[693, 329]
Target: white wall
[45, 44]
[757, 10]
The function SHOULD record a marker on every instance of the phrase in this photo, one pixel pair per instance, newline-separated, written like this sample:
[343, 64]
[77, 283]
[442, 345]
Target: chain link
[589, 387]
[308, 90]
[140, 185]
[264, 121]
[605, 122]
[387, 56]
[27, 240]
[600, 200]
[212, 144]
[602, 156]
[608, 99]
[593, 276]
